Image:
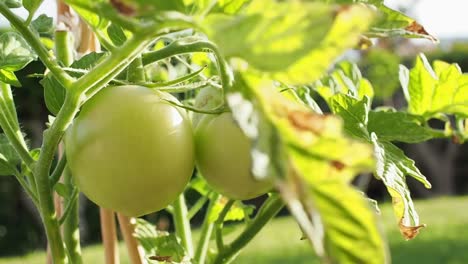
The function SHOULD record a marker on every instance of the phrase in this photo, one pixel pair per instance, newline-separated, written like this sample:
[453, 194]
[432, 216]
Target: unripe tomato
[130, 151]
[208, 98]
[223, 158]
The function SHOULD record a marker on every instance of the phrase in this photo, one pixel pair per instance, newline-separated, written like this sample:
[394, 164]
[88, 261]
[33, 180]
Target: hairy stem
[71, 232]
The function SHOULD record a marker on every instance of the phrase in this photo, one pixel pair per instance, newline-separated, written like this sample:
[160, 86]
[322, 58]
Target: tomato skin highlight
[130, 151]
[223, 158]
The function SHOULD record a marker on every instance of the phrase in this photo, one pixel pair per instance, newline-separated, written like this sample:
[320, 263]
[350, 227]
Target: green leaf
[419, 86]
[320, 159]
[398, 126]
[54, 92]
[268, 30]
[354, 114]
[116, 34]
[43, 24]
[392, 168]
[8, 150]
[9, 77]
[159, 245]
[6, 168]
[394, 23]
[430, 93]
[15, 53]
[238, 211]
[32, 5]
[62, 189]
[350, 223]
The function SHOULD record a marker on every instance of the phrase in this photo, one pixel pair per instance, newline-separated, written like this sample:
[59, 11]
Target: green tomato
[208, 98]
[223, 158]
[130, 151]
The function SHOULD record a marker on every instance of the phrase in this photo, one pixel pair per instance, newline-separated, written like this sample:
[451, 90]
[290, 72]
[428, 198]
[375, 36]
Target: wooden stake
[134, 251]
[109, 236]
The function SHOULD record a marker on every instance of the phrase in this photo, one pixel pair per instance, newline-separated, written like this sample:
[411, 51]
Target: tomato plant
[223, 158]
[130, 151]
[129, 145]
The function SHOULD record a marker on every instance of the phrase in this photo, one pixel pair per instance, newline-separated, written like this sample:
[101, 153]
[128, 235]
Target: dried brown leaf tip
[410, 232]
[161, 258]
[307, 121]
[123, 7]
[417, 28]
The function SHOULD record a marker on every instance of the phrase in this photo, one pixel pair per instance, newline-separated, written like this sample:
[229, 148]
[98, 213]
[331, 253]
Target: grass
[445, 240]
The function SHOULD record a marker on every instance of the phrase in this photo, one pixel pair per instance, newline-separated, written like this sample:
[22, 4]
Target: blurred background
[445, 164]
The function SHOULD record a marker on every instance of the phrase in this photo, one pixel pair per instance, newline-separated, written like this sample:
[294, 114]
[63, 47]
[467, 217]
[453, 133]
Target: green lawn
[444, 241]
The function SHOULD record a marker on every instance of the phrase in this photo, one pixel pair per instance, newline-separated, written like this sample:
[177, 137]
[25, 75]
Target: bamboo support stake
[134, 251]
[109, 236]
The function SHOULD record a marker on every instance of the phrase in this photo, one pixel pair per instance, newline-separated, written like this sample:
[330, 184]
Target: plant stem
[57, 173]
[71, 232]
[8, 123]
[182, 224]
[35, 43]
[270, 208]
[105, 70]
[206, 231]
[136, 71]
[219, 225]
[51, 140]
[197, 206]
[64, 47]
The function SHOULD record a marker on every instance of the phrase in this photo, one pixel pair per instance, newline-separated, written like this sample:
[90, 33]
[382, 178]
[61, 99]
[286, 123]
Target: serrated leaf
[353, 112]
[9, 77]
[350, 223]
[398, 126]
[299, 48]
[392, 168]
[267, 30]
[159, 246]
[43, 24]
[54, 92]
[15, 53]
[432, 92]
[394, 23]
[317, 152]
[418, 84]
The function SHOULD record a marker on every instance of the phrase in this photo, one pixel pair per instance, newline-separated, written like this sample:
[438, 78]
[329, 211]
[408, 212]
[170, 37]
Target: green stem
[206, 231]
[136, 71]
[182, 224]
[219, 225]
[27, 189]
[13, 135]
[190, 45]
[52, 137]
[197, 206]
[71, 232]
[64, 47]
[105, 71]
[35, 43]
[270, 208]
[57, 173]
